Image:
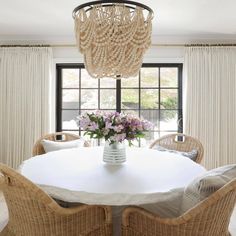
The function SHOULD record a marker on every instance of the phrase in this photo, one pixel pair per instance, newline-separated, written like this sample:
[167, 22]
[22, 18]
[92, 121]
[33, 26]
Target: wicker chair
[209, 218]
[64, 137]
[33, 213]
[188, 144]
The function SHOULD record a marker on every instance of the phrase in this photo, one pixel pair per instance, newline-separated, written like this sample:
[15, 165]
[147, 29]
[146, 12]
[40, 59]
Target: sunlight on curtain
[210, 113]
[25, 75]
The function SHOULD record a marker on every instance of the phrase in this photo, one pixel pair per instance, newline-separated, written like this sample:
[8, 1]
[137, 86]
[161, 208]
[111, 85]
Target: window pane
[154, 92]
[107, 83]
[70, 78]
[149, 99]
[150, 137]
[108, 99]
[130, 82]
[129, 98]
[152, 116]
[169, 98]
[93, 110]
[166, 133]
[169, 77]
[149, 77]
[89, 98]
[87, 81]
[133, 112]
[69, 119]
[169, 120]
[70, 98]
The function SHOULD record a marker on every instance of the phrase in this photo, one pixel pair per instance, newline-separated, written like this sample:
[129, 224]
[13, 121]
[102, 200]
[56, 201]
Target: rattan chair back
[59, 137]
[180, 142]
[209, 218]
[33, 213]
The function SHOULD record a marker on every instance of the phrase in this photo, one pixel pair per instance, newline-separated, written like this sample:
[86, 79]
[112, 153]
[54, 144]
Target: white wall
[154, 54]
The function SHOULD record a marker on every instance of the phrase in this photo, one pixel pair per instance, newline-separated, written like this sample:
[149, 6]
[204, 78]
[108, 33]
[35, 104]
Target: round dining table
[80, 175]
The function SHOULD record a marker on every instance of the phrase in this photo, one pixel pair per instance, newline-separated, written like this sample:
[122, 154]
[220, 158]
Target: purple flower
[98, 113]
[147, 125]
[93, 126]
[108, 125]
[84, 122]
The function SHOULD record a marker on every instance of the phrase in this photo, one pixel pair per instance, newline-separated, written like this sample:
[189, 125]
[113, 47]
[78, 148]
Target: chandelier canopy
[113, 36]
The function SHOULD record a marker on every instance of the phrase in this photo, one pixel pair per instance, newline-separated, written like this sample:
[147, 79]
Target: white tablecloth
[80, 175]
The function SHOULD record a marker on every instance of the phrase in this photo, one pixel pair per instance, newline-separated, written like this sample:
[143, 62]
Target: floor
[4, 215]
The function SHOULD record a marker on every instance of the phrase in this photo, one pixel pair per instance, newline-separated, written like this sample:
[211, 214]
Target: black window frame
[59, 88]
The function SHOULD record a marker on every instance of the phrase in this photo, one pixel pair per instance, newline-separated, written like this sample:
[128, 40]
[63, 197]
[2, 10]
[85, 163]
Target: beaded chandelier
[113, 36]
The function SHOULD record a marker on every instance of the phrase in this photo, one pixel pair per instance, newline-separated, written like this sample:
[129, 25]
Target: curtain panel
[25, 77]
[210, 102]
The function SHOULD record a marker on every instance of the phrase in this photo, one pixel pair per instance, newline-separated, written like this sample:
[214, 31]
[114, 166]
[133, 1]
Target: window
[155, 94]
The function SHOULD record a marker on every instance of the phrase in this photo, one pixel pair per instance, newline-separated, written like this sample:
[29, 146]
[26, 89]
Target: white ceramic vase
[114, 153]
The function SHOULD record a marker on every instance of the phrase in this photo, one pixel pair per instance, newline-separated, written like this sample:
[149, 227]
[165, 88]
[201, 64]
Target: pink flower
[118, 128]
[118, 137]
[118, 120]
[140, 127]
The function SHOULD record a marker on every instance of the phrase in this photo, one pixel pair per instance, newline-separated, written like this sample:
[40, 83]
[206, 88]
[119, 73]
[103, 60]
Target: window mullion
[79, 96]
[159, 99]
[180, 94]
[118, 95]
[99, 94]
[59, 99]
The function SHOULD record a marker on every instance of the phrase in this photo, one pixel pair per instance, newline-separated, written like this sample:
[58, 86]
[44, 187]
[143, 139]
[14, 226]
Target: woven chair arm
[140, 222]
[2, 180]
[189, 215]
[127, 213]
[80, 209]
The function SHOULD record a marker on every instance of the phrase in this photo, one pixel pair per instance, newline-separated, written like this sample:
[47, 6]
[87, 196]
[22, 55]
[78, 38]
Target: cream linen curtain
[210, 113]
[25, 75]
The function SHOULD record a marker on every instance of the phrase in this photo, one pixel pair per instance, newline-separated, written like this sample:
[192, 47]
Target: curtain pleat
[210, 111]
[25, 76]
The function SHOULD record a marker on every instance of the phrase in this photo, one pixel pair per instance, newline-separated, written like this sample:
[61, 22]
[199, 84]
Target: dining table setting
[118, 174]
[80, 175]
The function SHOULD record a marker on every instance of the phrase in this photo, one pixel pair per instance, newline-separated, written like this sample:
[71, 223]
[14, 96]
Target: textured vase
[114, 153]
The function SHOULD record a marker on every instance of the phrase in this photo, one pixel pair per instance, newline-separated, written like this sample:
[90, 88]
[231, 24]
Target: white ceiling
[174, 21]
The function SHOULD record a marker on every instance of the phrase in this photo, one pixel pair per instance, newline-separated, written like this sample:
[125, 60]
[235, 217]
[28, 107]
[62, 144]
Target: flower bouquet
[113, 126]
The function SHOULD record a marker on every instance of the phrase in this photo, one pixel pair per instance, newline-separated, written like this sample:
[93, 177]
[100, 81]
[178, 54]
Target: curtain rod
[152, 45]
[212, 45]
[26, 46]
